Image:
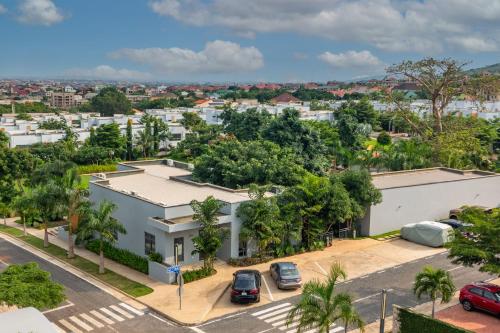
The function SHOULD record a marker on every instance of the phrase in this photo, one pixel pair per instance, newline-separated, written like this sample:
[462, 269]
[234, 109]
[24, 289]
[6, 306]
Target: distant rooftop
[424, 176]
[167, 185]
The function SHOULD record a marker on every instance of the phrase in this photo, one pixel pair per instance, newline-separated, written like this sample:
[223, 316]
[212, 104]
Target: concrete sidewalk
[208, 298]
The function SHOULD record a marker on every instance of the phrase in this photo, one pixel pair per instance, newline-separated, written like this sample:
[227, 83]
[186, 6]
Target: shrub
[249, 261]
[384, 138]
[197, 274]
[415, 322]
[121, 256]
[94, 168]
[156, 257]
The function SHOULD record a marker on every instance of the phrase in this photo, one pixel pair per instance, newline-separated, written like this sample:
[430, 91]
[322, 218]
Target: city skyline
[239, 41]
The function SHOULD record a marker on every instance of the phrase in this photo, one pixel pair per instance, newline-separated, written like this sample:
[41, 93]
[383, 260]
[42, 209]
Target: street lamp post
[383, 304]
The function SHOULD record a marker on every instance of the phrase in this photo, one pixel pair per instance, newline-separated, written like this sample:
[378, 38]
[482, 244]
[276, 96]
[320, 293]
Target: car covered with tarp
[428, 233]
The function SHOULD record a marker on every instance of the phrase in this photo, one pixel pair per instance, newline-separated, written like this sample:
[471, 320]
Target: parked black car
[246, 286]
[286, 275]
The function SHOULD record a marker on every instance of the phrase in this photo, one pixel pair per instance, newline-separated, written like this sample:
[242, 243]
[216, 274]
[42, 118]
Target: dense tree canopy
[246, 125]
[110, 101]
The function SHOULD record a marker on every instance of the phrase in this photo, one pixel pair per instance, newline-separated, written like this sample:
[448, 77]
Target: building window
[149, 243]
[179, 248]
[242, 248]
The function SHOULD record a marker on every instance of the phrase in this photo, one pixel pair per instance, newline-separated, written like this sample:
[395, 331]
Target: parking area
[475, 321]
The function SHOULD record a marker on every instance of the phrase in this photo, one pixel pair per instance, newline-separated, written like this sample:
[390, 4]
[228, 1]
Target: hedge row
[95, 168]
[411, 322]
[121, 256]
[197, 274]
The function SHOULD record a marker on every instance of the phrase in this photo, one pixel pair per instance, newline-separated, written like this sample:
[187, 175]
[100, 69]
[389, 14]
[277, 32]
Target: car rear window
[289, 272]
[244, 281]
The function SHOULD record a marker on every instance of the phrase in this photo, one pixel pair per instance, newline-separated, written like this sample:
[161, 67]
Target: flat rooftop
[424, 176]
[155, 185]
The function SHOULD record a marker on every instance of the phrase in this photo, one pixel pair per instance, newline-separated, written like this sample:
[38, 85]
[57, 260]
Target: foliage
[262, 95]
[191, 120]
[314, 94]
[434, 283]
[320, 307]
[4, 139]
[361, 190]
[53, 124]
[24, 116]
[95, 168]
[247, 125]
[162, 103]
[288, 131]
[51, 171]
[121, 256]
[210, 236]
[156, 257]
[93, 155]
[129, 141]
[384, 138]
[351, 133]
[50, 151]
[109, 136]
[25, 108]
[197, 274]
[408, 155]
[478, 244]
[28, 285]
[235, 164]
[249, 261]
[48, 200]
[362, 111]
[410, 322]
[196, 143]
[260, 219]
[110, 101]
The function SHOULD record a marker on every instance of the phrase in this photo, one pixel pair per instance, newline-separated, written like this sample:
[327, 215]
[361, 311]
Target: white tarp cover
[427, 233]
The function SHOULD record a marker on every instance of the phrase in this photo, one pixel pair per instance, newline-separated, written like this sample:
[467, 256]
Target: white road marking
[370, 296]
[267, 287]
[122, 312]
[363, 277]
[380, 272]
[320, 268]
[102, 317]
[453, 269]
[196, 329]
[292, 325]
[223, 318]
[112, 314]
[59, 308]
[267, 315]
[131, 309]
[160, 319]
[58, 329]
[396, 266]
[71, 328]
[270, 309]
[3, 262]
[91, 320]
[272, 328]
[270, 320]
[336, 329]
[80, 323]
[348, 281]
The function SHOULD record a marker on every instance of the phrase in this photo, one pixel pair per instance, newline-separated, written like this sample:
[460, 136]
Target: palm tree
[74, 195]
[102, 223]
[144, 142]
[435, 283]
[4, 211]
[48, 200]
[210, 236]
[319, 307]
[24, 206]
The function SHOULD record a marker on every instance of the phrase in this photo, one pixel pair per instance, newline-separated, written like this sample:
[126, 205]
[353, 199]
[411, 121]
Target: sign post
[177, 270]
[382, 310]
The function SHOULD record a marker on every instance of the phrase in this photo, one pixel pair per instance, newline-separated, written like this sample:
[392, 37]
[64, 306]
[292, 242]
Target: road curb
[92, 277]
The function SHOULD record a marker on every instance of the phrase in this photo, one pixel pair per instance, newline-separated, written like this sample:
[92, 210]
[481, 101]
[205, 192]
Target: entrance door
[179, 245]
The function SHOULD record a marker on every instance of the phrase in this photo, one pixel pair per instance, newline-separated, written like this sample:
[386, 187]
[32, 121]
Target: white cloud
[351, 59]
[106, 72]
[427, 26]
[2, 9]
[39, 12]
[217, 57]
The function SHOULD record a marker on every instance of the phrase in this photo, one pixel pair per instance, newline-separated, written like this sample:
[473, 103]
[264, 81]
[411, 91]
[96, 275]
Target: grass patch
[118, 281]
[84, 181]
[387, 234]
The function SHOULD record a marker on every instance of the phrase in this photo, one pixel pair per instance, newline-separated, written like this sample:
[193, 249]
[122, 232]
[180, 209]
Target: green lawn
[118, 281]
[390, 233]
[84, 181]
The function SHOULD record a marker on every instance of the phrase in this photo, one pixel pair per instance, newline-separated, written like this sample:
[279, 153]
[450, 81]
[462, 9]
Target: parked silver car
[286, 275]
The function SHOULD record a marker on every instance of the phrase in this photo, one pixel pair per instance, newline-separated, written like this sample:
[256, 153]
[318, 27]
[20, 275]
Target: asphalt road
[88, 308]
[366, 291]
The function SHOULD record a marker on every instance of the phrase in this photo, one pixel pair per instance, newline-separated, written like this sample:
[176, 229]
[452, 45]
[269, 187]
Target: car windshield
[244, 282]
[289, 271]
[497, 294]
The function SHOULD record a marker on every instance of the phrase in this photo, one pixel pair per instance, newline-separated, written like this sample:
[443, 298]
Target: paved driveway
[475, 321]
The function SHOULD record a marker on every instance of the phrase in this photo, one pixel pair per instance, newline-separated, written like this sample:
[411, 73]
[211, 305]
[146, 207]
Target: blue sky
[239, 40]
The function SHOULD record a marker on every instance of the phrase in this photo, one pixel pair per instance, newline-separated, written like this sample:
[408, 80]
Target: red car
[481, 296]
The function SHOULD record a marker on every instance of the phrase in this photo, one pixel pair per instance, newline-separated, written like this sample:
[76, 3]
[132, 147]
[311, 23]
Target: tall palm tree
[4, 211]
[23, 205]
[348, 313]
[74, 195]
[434, 283]
[102, 223]
[319, 307]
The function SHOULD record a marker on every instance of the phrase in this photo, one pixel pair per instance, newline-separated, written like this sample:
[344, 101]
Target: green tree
[161, 133]
[407, 155]
[434, 283]
[24, 206]
[247, 125]
[349, 315]
[483, 248]
[191, 120]
[109, 136]
[384, 138]
[320, 306]
[74, 197]
[4, 139]
[48, 200]
[130, 141]
[110, 101]
[361, 190]
[210, 236]
[260, 219]
[28, 285]
[102, 223]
